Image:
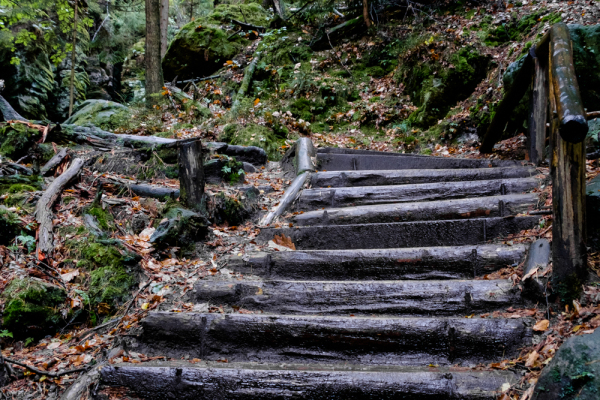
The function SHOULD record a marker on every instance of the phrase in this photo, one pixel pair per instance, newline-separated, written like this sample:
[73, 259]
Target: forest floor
[165, 276]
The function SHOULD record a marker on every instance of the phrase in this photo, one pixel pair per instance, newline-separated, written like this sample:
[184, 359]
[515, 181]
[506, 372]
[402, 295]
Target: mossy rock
[16, 139]
[254, 135]
[101, 113]
[234, 209]
[592, 140]
[586, 57]
[224, 169]
[574, 372]
[251, 13]
[436, 88]
[32, 307]
[10, 226]
[180, 227]
[201, 47]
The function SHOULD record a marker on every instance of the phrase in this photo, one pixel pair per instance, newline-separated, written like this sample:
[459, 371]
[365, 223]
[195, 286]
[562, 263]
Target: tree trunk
[164, 27]
[154, 75]
[191, 175]
[539, 111]
[73, 56]
[366, 13]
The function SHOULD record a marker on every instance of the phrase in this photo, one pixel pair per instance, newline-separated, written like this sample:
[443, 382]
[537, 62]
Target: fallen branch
[246, 82]
[54, 162]
[248, 26]
[43, 210]
[593, 114]
[82, 384]
[199, 79]
[42, 372]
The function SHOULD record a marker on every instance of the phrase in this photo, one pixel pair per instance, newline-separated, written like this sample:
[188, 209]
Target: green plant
[5, 334]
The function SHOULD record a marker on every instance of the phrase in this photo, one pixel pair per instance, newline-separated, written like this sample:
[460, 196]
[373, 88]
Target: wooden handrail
[567, 125]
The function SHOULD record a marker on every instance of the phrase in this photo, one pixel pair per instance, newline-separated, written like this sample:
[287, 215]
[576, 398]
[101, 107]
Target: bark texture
[154, 75]
[191, 175]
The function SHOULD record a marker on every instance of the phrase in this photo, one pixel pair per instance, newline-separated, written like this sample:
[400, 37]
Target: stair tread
[311, 199]
[349, 162]
[329, 339]
[443, 262]
[163, 380]
[406, 297]
[420, 210]
[401, 234]
[415, 176]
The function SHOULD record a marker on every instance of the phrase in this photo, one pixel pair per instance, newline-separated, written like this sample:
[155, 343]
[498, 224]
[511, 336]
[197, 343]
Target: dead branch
[42, 372]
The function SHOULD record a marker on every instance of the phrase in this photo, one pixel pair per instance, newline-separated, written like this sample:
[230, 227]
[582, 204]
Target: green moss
[569, 289]
[10, 226]
[201, 47]
[228, 209]
[111, 285]
[32, 307]
[517, 31]
[436, 88]
[16, 139]
[97, 255]
[101, 113]
[104, 218]
[255, 135]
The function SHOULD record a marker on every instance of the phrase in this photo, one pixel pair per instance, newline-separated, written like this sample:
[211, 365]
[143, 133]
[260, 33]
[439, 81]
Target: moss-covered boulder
[436, 78]
[574, 372]
[32, 307]
[180, 227]
[255, 135]
[16, 139]
[101, 113]
[586, 56]
[10, 226]
[224, 169]
[202, 46]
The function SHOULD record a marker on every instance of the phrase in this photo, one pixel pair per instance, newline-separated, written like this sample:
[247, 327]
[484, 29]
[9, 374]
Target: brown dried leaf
[541, 326]
[284, 241]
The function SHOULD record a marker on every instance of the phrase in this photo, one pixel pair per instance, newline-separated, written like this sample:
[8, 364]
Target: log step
[492, 206]
[414, 176]
[397, 298]
[456, 262]
[181, 380]
[311, 199]
[401, 234]
[364, 162]
[331, 339]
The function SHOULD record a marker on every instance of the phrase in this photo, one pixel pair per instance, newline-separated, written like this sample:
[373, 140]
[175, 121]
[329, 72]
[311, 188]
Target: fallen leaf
[533, 356]
[541, 326]
[284, 241]
[69, 276]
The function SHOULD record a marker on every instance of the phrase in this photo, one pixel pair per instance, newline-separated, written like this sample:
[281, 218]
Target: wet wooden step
[311, 199]
[333, 339]
[491, 206]
[414, 176]
[395, 298]
[181, 380]
[364, 162]
[401, 234]
[456, 262]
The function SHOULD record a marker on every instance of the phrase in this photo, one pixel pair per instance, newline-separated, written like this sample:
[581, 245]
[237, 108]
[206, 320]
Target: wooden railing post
[539, 110]
[568, 130]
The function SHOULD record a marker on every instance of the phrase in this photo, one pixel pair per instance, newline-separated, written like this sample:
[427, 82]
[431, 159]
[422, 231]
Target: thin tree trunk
[73, 56]
[164, 27]
[154, 75]
[191, 175]
[366, 13]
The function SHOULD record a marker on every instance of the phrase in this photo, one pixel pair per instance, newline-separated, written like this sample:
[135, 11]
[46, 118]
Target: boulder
[574, 372]
[224, 169]
[202, 46]
[32, 307]
[16, 139]
[252, 136]
[101, 113]
[592, 140]
[180, 227]
[10, 226]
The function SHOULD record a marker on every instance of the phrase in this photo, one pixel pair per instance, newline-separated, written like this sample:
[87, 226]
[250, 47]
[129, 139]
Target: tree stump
[191, 175]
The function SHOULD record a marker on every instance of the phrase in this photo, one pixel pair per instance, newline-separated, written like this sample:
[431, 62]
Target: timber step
[490, 206]
[357, 162]
[333, 339]
[456, 262]
[456, 232]
[397, 298]
[184, 381]
[311, 199]
[414, 176]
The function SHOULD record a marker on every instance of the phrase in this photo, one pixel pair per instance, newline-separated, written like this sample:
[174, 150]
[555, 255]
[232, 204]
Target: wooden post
[191, 175]
[539, 111]
[569, 257]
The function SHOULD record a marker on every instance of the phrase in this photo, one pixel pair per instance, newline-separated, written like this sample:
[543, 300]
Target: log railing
[556, 102]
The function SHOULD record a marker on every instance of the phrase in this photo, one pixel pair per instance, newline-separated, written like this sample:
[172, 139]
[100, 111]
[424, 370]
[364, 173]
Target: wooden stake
[191, 175]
